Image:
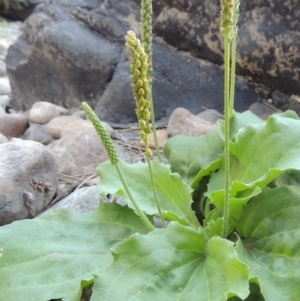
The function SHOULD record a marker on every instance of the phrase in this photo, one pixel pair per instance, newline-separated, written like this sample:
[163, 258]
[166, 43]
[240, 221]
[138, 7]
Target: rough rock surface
[179, 81]
[268, 44]
[76, 53]
[69, 51]
[28, 179]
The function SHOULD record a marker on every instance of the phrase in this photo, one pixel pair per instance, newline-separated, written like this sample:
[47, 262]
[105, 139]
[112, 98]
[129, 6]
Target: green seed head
[105, 138]
[140, 83]
[229, 17]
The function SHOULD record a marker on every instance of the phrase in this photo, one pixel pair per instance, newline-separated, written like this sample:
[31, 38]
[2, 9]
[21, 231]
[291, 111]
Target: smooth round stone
[58, 124]
[13, 125]
[42, 112]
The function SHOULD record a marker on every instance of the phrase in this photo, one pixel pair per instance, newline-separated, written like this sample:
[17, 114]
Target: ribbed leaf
[269, 231]
[174, 263]
[48, 258]
[173, 194]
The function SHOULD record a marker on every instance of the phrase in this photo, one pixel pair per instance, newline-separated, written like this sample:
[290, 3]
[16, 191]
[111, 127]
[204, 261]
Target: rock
[183, 122]
[2, 69]
[58, 124]
[79, 201]
[42, 112]
[280, 100]
[37, 133]
[179, 81]
[268, 48]
[4, 85]
[28, 180]
[262, 110]
[74, 48]
[162, 137]
[3, 139]
[210, 115]
[13, 125]
[82, 125]
[20, 10]
[78, 154]
[90, 75]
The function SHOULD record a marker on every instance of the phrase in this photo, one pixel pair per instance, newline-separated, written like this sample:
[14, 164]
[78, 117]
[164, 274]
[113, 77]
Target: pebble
[183, 122]
[13, 125]
[78, 154]
[82, 125]
[58, 124]
[42, 112]
[162, 137]
[38, 133]
[262, 110]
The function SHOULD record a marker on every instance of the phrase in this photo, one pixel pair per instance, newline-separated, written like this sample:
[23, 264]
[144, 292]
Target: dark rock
[179, 81]
[19, 10]
[70, 52]
[268, 44]
[280, 100]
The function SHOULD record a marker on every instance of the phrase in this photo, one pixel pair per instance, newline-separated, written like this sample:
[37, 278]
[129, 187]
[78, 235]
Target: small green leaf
[190, 155]
[269, 243]
[48, 258]
[174, 263]
[173, 194]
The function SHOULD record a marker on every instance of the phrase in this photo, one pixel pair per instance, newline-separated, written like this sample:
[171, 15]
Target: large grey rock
[268, 44]
[28, 180]
[179, 81]
[69, 51]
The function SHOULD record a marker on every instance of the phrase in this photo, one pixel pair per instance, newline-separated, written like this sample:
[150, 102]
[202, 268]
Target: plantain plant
[230, 202]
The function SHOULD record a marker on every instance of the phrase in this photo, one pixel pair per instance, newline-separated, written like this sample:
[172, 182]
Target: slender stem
[154, 127]
[226, 151]
[134, 203]
[155, 193]
[232, 75]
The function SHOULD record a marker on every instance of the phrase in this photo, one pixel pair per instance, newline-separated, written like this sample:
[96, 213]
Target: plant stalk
[227, 134]
[155, 193]
[134, 203]
[232, 76]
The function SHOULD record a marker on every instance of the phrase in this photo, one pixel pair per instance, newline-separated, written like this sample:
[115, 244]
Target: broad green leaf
[261, 153]
[49, 258]
[174, 263]
[269, 243]
[173, 194]
[189, 155]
